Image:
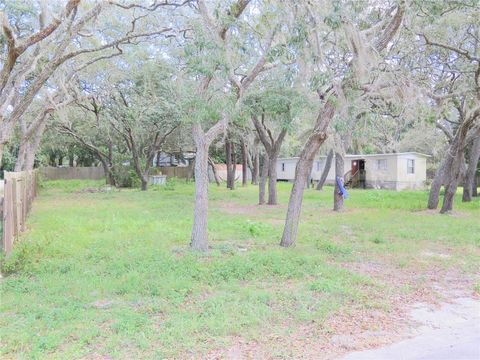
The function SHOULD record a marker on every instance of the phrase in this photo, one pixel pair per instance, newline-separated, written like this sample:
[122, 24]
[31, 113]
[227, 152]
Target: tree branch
[391, 29]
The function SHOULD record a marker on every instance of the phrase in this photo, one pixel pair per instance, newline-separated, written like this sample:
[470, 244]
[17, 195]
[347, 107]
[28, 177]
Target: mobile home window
[283, 166]
[410, 166]
[318, 165]
[382, 164]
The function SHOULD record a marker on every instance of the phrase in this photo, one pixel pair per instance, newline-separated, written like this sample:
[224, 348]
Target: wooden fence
[20, 188]
[177, 171]
[71, 173]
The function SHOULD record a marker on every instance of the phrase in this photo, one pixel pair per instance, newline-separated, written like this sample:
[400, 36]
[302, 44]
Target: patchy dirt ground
[358, 329]
[451, 331]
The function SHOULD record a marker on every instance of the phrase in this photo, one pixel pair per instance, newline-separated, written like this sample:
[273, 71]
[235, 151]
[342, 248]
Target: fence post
[24, 203]
[19, 191]
[8, 223]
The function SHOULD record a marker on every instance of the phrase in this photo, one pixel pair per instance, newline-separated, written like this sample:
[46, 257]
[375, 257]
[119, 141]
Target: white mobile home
[396, 171]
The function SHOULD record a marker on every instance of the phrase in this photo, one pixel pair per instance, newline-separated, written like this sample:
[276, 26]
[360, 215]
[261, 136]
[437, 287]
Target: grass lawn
[103, 275]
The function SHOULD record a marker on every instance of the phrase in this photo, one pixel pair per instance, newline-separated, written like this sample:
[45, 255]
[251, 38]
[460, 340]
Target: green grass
[110, 273]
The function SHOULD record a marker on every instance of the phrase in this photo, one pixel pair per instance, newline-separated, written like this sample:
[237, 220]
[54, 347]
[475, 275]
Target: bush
[125, 176]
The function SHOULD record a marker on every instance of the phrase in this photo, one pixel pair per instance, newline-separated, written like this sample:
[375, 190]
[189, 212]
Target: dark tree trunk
[272, 180]
[303, 170]
[256, 166]
[144, 183]
[263, 180]
[229, 154]
[191, 171]
[475, 186]
[52, 159]
[71, 159]
[157, 162]
[339, 172]
[471, 170]
[234, 166]
[60, 160]
[326, 170]
[244, 163]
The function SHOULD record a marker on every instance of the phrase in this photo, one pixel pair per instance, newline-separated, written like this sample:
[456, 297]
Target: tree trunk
[144, 182]
[475, 186]
[199, 240]
[471, 171]
[22, 153]
[451, 184]
[214, 171]
[272, 180]
[234, 166]
[272, 148]
[71, 159]
[244, 163]
[256, 166]
[326, 170]
[339, 172]
[455, 161]
[434, 195]
[263, 180]
[456, 158]
[52, 159]
[303, 170]
[228, 156]
[1, 154]
[109, 178]
[30, 156]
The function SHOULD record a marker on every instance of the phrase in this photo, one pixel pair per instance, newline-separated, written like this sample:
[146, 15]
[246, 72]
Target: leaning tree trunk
[339, 172]
[214, 171]
[244, 163]
[471, 171]
[303, 170]
[199, 239]
[263, 180]
[456, 158]
[434, 195]
[272, 180]
[33, 145]
[326, 170]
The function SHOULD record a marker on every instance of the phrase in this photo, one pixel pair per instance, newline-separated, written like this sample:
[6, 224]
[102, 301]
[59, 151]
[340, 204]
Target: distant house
[180, 159]
[396, 171]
